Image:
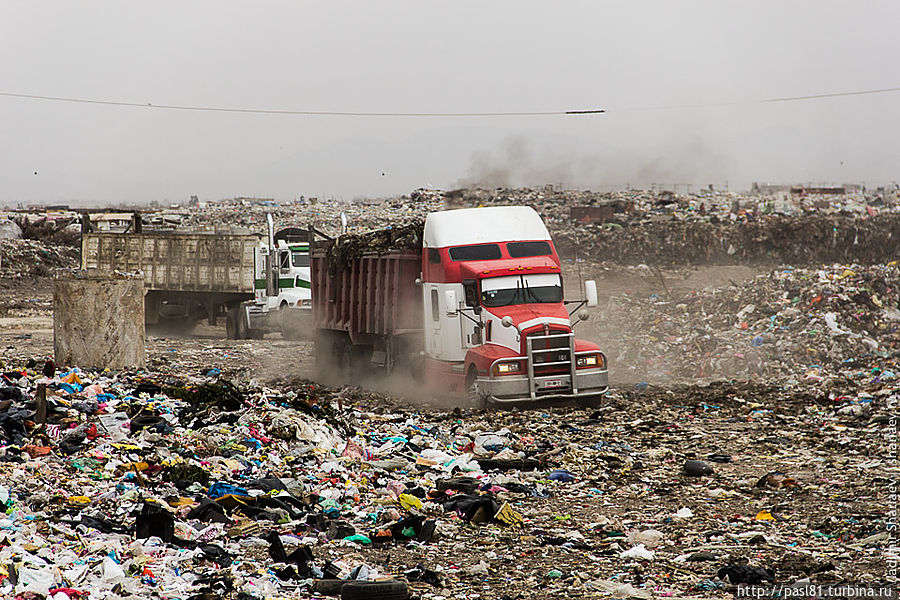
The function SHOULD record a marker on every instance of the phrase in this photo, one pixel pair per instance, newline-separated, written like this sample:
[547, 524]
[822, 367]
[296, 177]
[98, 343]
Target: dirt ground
[26, 321]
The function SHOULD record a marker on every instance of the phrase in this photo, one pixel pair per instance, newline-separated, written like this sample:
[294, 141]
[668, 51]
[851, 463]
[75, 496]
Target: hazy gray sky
[635, 59]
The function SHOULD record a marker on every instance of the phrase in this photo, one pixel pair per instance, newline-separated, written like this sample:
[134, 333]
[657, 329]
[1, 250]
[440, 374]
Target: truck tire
[240, 327]
[284, 326]
[593, 401]
[345, 361]
[322, 351]
[476, 398]
[375, 590]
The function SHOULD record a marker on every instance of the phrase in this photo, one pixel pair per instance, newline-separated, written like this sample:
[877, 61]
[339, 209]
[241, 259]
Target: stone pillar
[98, 319]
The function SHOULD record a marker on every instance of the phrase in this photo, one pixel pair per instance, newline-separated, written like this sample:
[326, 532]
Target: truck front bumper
[508, 389]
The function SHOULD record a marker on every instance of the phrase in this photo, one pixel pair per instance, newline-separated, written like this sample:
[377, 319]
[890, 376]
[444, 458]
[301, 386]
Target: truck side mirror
[470, 286]
[450, 299]
[590, 292]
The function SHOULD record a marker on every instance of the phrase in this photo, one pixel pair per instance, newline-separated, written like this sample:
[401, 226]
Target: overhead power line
[334, 113]
[834, 95]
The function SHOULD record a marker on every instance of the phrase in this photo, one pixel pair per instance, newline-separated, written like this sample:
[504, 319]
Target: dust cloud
[518, 162]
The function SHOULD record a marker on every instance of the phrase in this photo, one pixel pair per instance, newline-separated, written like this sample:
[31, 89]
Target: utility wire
[331, 113]
[327, 113]
[834, 95]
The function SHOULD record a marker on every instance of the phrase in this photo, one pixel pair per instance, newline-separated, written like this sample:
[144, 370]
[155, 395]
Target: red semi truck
[474, 309]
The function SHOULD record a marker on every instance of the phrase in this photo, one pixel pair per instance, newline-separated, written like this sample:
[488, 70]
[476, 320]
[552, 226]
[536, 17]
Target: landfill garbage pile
[657, 228]
[709, 205]
[138, 484]
[346, 248]
[651, 227]
[9, 230]
[51, 231]
[32, 258]
[766, 240]
[707, 227]
[362, 215]
[838, 323]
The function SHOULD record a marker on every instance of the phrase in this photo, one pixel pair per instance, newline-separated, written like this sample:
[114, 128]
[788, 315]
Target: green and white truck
[256, 283]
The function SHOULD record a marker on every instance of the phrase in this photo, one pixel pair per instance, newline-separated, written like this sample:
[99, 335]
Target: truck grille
[550, 352]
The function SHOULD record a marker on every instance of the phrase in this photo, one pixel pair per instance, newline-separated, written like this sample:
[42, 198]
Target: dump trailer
[471, 304]
[250, 280]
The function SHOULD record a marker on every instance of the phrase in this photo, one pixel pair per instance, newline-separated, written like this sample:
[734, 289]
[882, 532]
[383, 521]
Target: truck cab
[282, 298]
[291, 275]
[496, 325]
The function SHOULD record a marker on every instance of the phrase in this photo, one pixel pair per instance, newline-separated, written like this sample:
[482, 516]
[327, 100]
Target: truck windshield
[521, 289]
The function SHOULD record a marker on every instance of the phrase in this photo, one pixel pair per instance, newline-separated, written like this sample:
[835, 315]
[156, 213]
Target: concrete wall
[98, 320]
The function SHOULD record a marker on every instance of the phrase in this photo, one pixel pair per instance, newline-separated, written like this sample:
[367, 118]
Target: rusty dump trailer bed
[187, 275]
[375, 295]
[368, 309]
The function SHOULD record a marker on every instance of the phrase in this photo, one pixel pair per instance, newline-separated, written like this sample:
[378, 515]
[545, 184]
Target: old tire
[375, 590]
[329, 587]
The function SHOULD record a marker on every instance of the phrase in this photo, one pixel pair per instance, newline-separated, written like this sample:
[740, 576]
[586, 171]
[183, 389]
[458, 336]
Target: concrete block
[98, 319]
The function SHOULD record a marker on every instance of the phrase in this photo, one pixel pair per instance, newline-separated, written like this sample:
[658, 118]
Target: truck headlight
[507, 368]
[590, 361]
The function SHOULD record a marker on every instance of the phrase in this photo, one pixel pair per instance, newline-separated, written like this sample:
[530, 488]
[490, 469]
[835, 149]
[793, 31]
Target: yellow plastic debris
[507, 515]
[408, 502]
[845, 274]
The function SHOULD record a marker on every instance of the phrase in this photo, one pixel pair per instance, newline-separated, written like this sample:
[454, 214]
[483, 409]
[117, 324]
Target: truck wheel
[345, 363]
[234, 326]
[288, 324]
[474, 395]
[323, 351]
[595, 401]
[240, 328]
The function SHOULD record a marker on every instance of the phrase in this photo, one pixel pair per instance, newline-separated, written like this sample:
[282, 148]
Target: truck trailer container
[474, 309]
[256, 283]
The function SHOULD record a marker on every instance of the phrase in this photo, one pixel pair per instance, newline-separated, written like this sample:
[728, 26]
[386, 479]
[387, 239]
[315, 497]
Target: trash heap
[709, 227]
[643, 226]
[139, 484]
[653, 227]
[838, 323]
[766, 240]
[348, 247]
[362, 215]
[23, 258]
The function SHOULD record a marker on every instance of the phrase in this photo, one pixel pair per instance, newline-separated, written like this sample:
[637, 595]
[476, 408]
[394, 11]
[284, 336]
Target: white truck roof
[483, 225]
